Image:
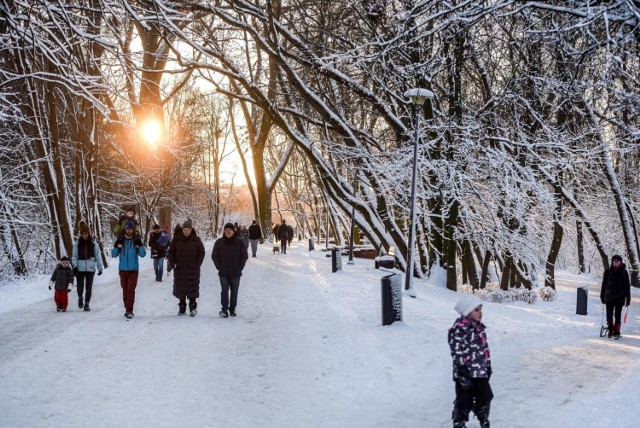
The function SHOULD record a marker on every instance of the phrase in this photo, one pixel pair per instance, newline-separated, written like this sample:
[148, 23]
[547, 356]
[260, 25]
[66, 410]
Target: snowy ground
[306, 350]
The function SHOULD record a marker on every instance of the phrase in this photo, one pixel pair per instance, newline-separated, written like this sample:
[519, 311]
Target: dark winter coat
[62, 276]
[283, 232]
[255, 232]
[229, 255]
[157, 250]
[616, 288]
[469, 348]
[86, 255]
[186, 254]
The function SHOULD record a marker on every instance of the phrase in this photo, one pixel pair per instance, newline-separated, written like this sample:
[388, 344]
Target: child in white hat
[471, 363]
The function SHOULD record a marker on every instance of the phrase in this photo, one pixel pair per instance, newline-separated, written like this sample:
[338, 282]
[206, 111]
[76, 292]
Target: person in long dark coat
[615, 292]
[186, 254]
[230, 256]
[283, 235]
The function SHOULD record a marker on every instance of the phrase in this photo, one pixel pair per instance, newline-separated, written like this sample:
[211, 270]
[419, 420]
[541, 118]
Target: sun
[152, 132]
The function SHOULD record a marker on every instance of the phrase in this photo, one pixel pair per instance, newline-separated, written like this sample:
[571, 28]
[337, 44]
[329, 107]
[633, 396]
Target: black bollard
[336, 259]
[581, 303]
[391, 289]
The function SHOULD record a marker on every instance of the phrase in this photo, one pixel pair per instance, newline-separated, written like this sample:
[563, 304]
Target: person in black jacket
[283, 235]
[255, 235]
[186, 254]
[229, 255]
[615, 292]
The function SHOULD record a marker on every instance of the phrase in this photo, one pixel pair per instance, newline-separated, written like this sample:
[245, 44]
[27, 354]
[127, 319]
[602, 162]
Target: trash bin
[386, 262]
[391, 289]
[581, 303]
[311, 248]
[336, 259]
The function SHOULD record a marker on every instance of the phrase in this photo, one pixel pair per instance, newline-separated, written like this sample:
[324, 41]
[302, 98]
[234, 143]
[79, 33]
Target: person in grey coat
[186, 254]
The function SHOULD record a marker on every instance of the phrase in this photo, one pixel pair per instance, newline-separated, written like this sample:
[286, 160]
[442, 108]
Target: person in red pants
[128, 247]
[615, 293]
[62, 280]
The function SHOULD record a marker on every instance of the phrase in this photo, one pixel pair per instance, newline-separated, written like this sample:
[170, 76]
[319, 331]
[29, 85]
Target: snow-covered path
[306, 350]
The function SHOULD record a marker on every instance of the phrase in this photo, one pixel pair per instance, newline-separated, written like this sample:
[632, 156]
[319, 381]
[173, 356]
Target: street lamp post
[418, 96]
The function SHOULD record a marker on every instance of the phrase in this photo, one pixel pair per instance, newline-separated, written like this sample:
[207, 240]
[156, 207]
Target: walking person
[62, 281]
[158, 243]
[614, 293]
[283, 235]
[186, 254]
[128, 248]
[229, 255]
[85, 259]
[255, 235]
[471, 363]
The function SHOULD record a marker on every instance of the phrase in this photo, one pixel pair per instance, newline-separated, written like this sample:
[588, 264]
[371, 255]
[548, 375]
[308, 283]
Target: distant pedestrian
[128, 249]
[255, 235]
[62, 281]
[283, 235]
[85, 259]
[615, 292]
[158, 244]
[276, 230]
[471, 363]
[186, 254]
[230, 256]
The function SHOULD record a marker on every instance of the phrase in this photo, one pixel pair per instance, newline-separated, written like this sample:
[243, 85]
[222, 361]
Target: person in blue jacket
[129, 248]
[85, 260]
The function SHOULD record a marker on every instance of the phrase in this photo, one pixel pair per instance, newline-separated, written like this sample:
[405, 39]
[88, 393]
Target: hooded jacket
[86, 255]
[186, 254]
[129, 253]
[616, 288]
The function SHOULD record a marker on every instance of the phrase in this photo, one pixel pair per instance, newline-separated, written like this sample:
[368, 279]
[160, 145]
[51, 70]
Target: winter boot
[192, 307]
[224, 313]
[459, 424]
[232, 312]
[484, 423]
[609, 330]
[86, 307]
[58, 308]
[616, 331]
[182, 307]
[80, 303]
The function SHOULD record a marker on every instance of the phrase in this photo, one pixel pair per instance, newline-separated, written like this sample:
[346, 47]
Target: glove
[69, 287]
[50, 285]
[463, 377]
[137, 243]
[99, 272]
[628, 302]
[75, 270]
[118, 243]
[489, 373]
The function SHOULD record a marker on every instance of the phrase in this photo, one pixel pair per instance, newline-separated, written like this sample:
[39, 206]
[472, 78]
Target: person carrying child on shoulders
[471, 363]
[62, 281]
[159, 243]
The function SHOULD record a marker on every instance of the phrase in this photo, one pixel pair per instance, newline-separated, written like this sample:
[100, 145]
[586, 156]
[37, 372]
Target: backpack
[163, 239]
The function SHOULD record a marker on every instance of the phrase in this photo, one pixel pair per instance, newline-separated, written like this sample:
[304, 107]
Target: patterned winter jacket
[469, 348]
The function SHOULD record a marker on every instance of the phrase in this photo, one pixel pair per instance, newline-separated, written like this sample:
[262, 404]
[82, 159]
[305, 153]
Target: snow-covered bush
[492, 293]
[547, 294]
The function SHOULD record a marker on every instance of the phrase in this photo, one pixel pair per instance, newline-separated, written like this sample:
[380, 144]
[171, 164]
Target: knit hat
[64, 259]
[187, 225]
[229, 226]
[616, 257]
[131, 208]
[467, 303]
[84, 228]
[129, 225]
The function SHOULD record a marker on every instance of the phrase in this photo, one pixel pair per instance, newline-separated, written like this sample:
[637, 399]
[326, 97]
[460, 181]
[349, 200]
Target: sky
[307, 349]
